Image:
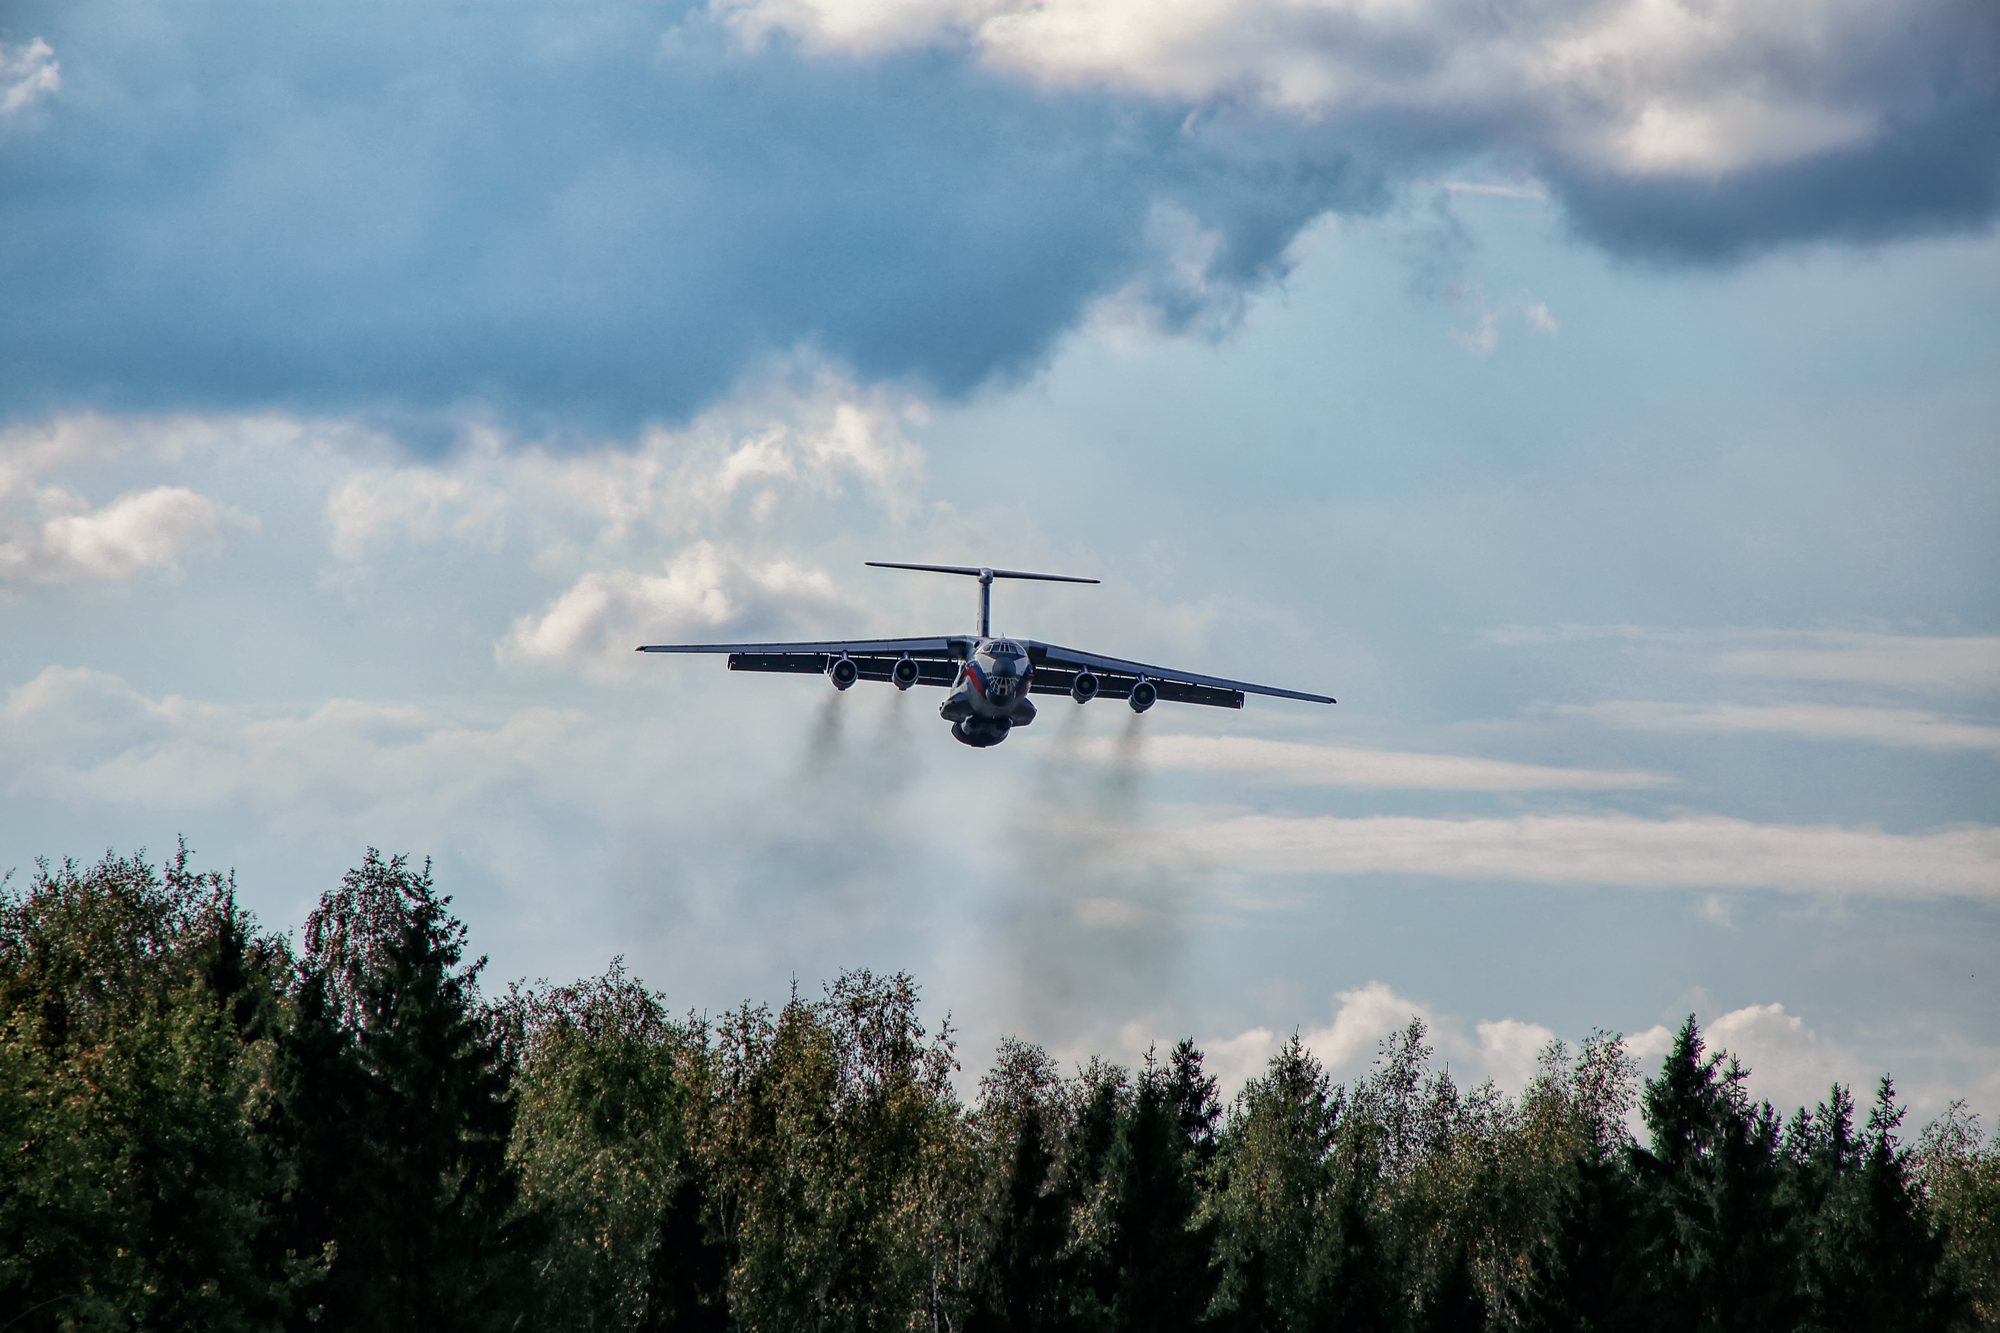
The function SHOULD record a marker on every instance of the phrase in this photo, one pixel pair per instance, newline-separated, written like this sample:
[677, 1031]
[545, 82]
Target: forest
[210, 1126]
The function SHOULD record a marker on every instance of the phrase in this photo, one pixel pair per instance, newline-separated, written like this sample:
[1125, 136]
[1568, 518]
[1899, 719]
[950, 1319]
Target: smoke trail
[801, 866]
[823, 742]
[1093, 926]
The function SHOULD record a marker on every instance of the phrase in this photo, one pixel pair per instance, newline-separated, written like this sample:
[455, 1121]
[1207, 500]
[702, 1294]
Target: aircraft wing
[937, 659]
[1056, 667]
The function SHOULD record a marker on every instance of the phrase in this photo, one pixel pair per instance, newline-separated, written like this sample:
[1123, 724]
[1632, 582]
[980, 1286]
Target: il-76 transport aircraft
[990, 678]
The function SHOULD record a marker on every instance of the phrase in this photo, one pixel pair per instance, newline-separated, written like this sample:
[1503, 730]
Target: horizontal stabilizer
[982, 573]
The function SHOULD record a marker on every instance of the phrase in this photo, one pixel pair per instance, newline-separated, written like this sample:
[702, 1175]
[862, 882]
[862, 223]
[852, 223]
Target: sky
[1598, 397]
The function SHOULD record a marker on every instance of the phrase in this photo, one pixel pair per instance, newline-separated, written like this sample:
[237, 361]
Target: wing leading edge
[1056, 667]
[937, 659]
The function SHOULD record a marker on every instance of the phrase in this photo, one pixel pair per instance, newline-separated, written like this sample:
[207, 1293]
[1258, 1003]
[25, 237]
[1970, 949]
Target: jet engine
[1084, 688]
[904, 673]
[1144, 695]
[843, 671]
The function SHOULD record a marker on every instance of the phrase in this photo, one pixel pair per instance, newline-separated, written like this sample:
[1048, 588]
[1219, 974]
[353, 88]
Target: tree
[1870, 1258]
[1721, 1252]
[135, 1016]
[602, 1143]
[1960, 1180]
[394, 1112]
[820, 1135]
[1587, 1276]
[1162, 1247]
[1275, 1179]
[1015, 1286]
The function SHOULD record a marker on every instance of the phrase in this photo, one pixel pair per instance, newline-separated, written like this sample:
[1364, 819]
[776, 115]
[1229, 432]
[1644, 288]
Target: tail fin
[985, 577]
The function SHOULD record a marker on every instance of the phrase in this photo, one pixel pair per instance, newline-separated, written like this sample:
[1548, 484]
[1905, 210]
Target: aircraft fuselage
[990, 696]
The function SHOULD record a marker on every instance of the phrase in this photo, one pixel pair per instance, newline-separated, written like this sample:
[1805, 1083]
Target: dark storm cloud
[1932, 168]
[593, 216]
[564, 211]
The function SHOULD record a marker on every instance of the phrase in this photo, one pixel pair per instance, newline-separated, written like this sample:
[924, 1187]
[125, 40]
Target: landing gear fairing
[989, 677]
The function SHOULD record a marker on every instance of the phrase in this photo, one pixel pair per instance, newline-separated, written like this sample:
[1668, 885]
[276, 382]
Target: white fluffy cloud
[1504, 1050]
[370, 508]
[28, 73]
[1614, 849]
[55, 537]
[596, 625]
[1789, 1063]
[50, 534]
[748, 463]
[1644, 87]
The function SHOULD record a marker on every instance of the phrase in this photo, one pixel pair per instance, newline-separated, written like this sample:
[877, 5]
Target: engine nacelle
[843, 671]
[1084, 688]
[904, 673]
[1144, 695]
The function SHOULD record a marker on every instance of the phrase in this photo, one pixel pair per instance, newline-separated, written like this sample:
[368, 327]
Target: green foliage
[1961, 1182]
[394, 1107]
[202, 1131]
[603, 1146]
[1720, 1253]
[136, 1012]
[819, 1123]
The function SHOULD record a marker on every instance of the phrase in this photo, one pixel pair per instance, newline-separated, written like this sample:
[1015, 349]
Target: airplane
[990, 676]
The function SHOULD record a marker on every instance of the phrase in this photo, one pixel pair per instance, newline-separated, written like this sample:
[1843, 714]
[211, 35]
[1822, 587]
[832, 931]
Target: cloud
[1525, 190]
[51, 535]
[585, 220]
[1961, 663]
[1612, 849]
[594, 219]
[1827, 722]
[1727, 122]
[78, 735]
[1954, 664]
[1301, 764]
[1504, 1050]
[703, 592]
[758, 461]
[1789, 1063]
[57, 538]
[28, 74]
[369, 509]
[1482, 338]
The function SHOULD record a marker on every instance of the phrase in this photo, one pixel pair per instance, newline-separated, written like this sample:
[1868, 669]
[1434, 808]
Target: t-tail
[985, 577]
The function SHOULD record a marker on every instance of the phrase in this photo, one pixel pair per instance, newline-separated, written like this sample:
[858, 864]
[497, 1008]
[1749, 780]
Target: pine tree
[1273, 1188]
[687, 1288]
[1163, 1249]
[1457, 1305]
[1721, 1253]
[1016, 1287]
[1088, 1271]
[1871, 1260]
[394, 1114]
[1353, 1287]
[1587, 1276]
